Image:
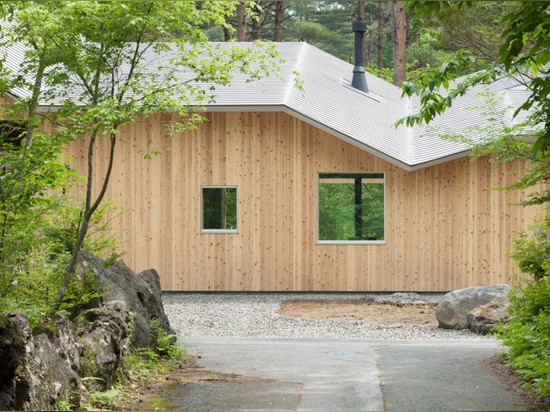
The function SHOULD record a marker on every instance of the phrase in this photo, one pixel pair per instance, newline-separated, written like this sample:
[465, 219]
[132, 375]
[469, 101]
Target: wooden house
[284, 190]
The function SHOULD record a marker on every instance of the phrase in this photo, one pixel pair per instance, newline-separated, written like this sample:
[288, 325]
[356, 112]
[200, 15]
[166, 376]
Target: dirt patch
[157, 394]
[418, 314]
[191, 387]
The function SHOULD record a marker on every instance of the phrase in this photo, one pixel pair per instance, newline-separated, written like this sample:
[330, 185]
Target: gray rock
[103, 339]
[140, 294]
[14, 337]
[483, 319]
[453, 309]
[42, 368]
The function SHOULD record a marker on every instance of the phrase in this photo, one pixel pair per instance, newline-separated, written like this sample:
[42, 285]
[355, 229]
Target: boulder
[14, 337]
[42, 368]
[45, 369]
[139, 294]
[453, 309]
[103, 339]
[483, 319]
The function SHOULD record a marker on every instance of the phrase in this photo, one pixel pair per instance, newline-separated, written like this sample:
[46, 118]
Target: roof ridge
[294, 74]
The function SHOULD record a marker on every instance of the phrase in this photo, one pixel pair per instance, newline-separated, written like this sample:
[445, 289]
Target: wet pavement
[341, 375]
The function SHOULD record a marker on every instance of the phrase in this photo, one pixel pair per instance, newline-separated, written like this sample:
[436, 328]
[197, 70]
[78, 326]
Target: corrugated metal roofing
[366, 120]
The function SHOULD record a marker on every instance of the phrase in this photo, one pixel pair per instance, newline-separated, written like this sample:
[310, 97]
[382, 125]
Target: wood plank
[443, 229]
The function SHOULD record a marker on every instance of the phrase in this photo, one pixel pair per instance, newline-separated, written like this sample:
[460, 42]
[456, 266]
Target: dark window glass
[351, 206]
[219, 208]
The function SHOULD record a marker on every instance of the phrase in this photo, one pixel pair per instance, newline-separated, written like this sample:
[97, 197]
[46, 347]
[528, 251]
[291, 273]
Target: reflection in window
[351, 207]
[219, 209]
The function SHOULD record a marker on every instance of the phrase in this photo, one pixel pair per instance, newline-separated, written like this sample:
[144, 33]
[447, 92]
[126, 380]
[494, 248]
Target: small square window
[351, 208]
[219, 209]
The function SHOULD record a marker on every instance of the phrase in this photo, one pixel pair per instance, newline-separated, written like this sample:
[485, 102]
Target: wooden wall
[444, 228]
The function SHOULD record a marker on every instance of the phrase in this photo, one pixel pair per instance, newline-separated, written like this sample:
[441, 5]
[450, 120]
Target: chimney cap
[359, 81]
[359, 25]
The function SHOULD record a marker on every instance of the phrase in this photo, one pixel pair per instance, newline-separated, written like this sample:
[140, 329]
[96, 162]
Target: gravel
[255, 315]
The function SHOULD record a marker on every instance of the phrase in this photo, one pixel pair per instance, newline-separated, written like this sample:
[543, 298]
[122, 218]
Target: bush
[527, 334]
[532, 251]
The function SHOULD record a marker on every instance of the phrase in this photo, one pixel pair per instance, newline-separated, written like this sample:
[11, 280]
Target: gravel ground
[255, 315]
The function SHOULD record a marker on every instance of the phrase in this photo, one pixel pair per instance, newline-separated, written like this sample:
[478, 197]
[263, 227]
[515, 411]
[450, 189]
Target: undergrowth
[142, 367]
[527, 332]
[527, 335]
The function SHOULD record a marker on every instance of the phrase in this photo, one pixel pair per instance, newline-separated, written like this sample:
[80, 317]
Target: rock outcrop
[43, 369]
[103, 339]
[43, 366]
[453, 309]
[482, 320]
[139, 294]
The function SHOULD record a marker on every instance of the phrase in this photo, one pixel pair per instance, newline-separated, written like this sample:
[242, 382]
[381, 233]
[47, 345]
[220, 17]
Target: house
[284, 190]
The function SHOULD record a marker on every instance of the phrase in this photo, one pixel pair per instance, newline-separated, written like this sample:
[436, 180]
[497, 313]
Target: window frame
[349, 242]
[202, 229]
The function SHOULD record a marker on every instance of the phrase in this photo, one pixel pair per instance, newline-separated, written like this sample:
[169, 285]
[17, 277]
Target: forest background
[399, 45]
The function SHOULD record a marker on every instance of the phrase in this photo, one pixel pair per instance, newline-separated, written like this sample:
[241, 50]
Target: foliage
[37, 228]
[523, 53]
[504, 142]
[141, 367]
[527, 334]
[32, 180]
[100, 63]
[532, 251]
[145, 365]
[105, 398]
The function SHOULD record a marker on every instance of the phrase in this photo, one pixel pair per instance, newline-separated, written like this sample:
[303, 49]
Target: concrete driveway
[344, 375]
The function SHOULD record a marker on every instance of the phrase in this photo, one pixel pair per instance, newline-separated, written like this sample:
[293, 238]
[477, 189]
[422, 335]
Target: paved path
[345, 375]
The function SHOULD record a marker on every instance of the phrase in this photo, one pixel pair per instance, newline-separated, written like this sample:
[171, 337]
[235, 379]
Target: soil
[419, 314]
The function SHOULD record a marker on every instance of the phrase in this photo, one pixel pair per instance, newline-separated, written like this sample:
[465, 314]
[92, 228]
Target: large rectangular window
[219, 209]
[351, 207]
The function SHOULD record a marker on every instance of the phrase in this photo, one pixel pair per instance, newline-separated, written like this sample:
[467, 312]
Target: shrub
[532, 251]
[527, 334]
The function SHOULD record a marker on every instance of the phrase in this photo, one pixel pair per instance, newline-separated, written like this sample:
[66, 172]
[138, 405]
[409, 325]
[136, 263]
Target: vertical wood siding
[445, 229]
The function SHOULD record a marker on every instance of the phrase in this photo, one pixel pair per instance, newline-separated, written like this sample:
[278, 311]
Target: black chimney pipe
[359, 81]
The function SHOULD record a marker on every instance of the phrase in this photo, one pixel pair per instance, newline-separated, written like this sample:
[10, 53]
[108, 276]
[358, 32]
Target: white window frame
[349, 242]
[202, 229]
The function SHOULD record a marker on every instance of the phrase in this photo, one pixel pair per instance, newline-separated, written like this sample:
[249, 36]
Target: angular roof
[366, 120]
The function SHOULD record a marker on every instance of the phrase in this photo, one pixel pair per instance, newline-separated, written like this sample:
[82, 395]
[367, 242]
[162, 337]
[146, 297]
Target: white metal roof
[366, 120]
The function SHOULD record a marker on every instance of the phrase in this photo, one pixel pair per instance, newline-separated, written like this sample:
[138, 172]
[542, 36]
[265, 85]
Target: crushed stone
[255, 315]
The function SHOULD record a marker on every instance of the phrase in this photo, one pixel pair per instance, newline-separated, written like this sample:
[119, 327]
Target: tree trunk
[33, 104]
[361, 17]
[227, 30]
[408, 29]
[278, 36]
[256, 22]
[241, 21]
[369, 45]
[380, 36]
[89, 209]
[398, 26]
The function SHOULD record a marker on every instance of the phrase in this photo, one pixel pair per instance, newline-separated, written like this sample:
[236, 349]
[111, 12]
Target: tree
[101, 50]
[279, 16]
[398, 25]
[241, 21]
[523, 54]
[380, 37]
